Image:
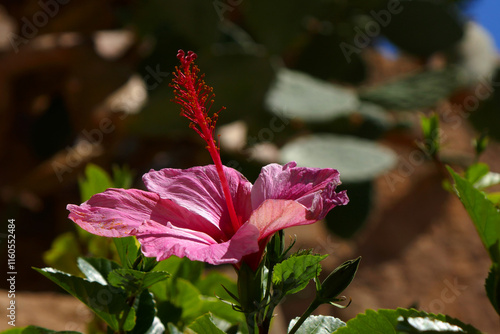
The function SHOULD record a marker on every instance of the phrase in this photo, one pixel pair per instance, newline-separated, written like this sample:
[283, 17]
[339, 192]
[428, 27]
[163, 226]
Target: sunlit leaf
[420, 90]
[96, 181]
[386, 322]
[317, 324]
[415, 325]
[108, 302]
[356, 159]
[483, 213]
[488, 180]
[476, 172]
[127, 249]
[298, 95]
[97, 269]
[134, 281]
[294, 273]
[205, 325]
[36, 330]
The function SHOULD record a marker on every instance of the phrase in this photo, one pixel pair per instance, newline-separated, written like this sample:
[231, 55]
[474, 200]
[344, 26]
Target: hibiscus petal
[113, 213]
[116, 212]
[162, 241]
[199, 190]
[275, 214]
[312, 187]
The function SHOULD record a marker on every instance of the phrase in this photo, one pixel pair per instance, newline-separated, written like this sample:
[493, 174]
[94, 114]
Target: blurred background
[327, 83]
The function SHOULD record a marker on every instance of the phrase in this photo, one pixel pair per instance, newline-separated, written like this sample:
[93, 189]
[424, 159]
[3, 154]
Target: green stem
[251, 323]
[314, 305]
[273, 302]
[130, 303]
[264, 327]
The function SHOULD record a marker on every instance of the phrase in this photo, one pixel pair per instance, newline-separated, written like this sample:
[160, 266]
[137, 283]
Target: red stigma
[194, 96]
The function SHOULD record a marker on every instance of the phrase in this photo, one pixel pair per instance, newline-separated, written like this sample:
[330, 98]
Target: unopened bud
[337, 281]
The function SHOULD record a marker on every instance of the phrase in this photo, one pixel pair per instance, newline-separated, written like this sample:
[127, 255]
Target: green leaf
[481, 143]
[172, 329]
[63, 253]
[205, 325]
[145, 314]
[298, 95]
[187, 298]
[129, 323]
[178, 268]
[476, 172]
[492, 286]
[157, 327]
[122, 177]
[106, 301]
[36, 330]
[494, 198]
[430, 129]
[386, 321]
[483, 213]
[488, 180]
[356, 159]
[250, 288]
[415, 325]
[96, 181]
[134, 281]
[294, 273]
[97, 269]
[221, 310]
[211, 285]
[127, 249]
[319, 324]
[375, 120]
[421, 90]
[181, 268]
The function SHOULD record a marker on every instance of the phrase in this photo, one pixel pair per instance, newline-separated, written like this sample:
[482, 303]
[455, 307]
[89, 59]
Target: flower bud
[337, 281]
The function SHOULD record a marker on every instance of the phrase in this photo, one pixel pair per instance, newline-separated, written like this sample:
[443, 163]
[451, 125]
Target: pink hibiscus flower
[184, 213]
[210, 213]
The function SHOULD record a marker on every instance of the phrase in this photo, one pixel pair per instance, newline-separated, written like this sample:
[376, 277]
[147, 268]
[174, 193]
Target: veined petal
[277, 214]
[296, 183]
[116, 212]
[198, 189]
[162, 241]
